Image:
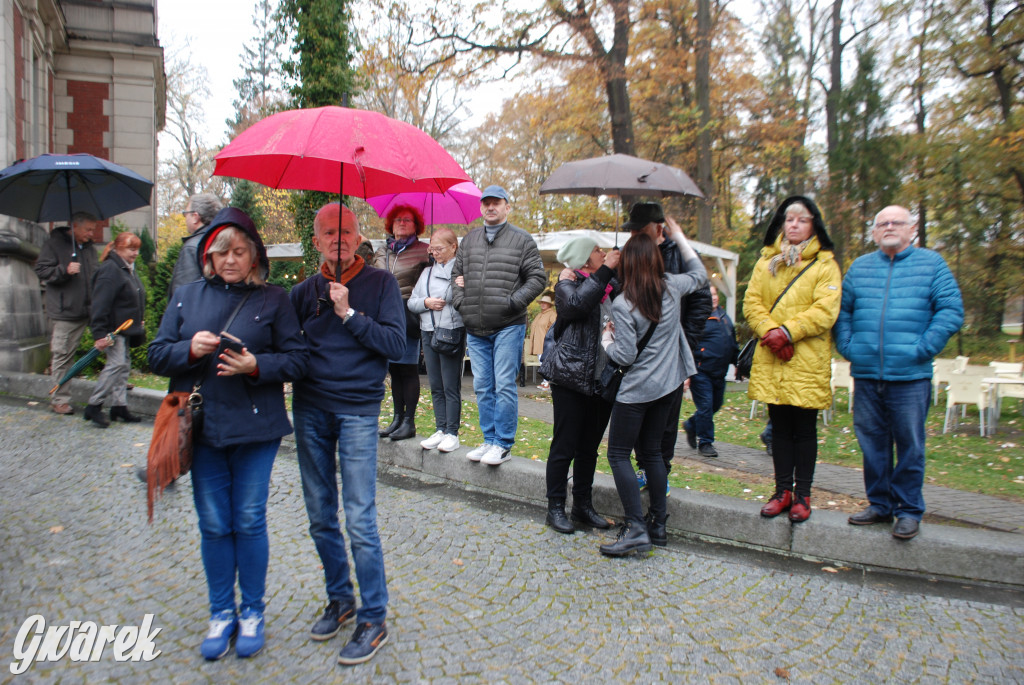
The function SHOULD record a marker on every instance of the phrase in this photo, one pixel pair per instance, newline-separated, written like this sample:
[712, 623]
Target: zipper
[881, 324]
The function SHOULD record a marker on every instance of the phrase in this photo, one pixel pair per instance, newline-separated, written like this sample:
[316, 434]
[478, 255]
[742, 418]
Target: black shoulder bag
[446, 341]
[745, 360]
[611, 377]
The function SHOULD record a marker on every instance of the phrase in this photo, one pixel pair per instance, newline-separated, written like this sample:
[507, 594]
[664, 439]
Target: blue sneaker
[641, 478]
[668, 490]
[368, 638]
[223, 625]
[250, 634]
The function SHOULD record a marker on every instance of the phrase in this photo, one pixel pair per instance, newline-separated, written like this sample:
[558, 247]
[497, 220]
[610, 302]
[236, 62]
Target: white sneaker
[433, 441]
[496, 455]
[477, 453]
[449, 443]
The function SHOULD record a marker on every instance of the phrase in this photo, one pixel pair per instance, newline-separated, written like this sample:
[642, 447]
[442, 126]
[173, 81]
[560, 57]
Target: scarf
[789, 253]
[346, 275]
[396, 245]
[607, 288]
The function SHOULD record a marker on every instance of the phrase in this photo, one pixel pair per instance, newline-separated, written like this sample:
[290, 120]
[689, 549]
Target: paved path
[955, 505]
[481, 590]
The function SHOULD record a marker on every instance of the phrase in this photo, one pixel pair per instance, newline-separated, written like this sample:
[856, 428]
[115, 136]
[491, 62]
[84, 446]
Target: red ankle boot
[801, 509]
[780, 502]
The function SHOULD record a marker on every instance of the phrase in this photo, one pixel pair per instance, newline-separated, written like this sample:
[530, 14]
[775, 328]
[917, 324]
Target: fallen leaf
[56, 529]
[782, 673]
[829, 569]
[127, 466]
[139, 444]
[32, 403]
[457, 561]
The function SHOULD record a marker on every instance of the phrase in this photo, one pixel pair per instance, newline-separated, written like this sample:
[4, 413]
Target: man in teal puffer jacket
[900, 305]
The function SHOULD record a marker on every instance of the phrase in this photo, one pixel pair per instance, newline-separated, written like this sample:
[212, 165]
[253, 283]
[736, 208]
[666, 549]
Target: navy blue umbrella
[53, 187]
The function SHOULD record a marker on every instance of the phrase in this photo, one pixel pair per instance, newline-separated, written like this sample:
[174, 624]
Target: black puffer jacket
[695, 308]
[572, 361]
[502, 279]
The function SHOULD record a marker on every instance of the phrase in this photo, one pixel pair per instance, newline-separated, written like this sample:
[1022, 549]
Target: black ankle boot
[385, 432]
[123, 414]
[632, 537]
[657, 531]
[583, 512]
[556, 517]
[94, 413]
[406, 429]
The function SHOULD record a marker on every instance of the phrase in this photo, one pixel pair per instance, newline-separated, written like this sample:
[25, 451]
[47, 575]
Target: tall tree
[323, 51]
[261, 89]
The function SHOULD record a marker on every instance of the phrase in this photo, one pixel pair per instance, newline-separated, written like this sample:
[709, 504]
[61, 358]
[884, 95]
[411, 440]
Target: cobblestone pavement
[956, 505]
[481, 590]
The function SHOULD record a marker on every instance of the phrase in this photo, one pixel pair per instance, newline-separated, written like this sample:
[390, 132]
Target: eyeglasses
[404, 220]
[894, 224]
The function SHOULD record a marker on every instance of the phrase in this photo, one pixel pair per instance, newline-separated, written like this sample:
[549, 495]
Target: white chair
[841, 378]
[1007, 369]
[941, 370]
[961, 364]
[965, 389]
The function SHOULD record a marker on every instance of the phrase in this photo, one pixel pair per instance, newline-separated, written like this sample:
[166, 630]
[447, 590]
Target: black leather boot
[385, 432]
[632, 538]
[657, 531]
[556, 517]
[406, 429]
[94, 413]
[583, 512]
[123, 414]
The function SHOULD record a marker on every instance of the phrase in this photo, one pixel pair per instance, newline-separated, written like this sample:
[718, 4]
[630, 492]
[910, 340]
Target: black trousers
[641, 425]
[579, 425]
[794, 446]
[405, 388]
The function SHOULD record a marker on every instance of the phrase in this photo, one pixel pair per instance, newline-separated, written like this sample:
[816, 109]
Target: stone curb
[946, 552]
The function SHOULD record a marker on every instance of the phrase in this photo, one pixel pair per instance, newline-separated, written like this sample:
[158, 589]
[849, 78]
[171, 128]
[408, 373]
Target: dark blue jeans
[641, 425]
[708, 394]
[887, 415]
[328, 444]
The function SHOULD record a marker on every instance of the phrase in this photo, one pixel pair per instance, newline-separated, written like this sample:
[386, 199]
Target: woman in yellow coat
[797, 275]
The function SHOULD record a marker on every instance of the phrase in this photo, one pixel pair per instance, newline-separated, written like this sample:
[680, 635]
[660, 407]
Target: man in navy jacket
[717, 350]
[353, 320]
[900, 306]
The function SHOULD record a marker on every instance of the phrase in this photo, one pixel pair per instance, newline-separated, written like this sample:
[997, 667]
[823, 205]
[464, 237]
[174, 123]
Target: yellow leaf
[457, 561]
[56, 529]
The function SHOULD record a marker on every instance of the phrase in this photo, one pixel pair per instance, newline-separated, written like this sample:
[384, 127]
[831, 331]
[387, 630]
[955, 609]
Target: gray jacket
[437, 279]
[68, 296]
[667, 360]
[502, 279]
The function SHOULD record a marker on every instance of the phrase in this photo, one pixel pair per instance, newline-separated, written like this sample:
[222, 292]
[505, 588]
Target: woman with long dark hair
[650, 298]
[117, 295]
[573, 365]
[405, 256]
[792, 302]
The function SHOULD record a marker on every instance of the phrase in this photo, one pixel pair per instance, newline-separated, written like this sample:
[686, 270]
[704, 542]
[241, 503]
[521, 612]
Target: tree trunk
[832, 97]
[703, 77]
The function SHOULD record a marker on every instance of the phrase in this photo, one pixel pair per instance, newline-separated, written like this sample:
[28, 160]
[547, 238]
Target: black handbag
[446, 341]
[745, 360]
[611, 377]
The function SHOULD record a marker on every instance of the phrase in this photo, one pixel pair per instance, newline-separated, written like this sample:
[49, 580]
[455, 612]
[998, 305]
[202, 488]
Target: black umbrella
[619, 175]
[53, 187]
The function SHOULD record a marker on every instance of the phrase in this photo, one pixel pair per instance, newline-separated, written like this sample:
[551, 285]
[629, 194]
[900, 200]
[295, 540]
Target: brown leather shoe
[62, 409]
[801, 509]
[780, 502]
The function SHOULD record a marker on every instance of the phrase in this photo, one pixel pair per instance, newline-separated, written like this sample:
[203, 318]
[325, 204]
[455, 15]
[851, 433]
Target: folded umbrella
[53, 187]
[88, 358]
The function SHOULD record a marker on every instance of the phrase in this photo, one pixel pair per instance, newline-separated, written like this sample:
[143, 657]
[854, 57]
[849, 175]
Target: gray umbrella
[619, 175]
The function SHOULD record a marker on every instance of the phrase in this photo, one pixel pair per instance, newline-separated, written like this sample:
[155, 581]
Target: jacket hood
[779, 218]
[231, 216]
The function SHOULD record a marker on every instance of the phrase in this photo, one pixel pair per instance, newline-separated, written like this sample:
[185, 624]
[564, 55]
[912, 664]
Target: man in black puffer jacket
[694, 309]
[498, 272]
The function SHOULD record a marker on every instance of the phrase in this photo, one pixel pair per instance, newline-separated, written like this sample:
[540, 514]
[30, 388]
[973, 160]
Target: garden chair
[965, 389]
[941, 370]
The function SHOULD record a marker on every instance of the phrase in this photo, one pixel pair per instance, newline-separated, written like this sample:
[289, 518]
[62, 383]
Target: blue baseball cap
[494, 191]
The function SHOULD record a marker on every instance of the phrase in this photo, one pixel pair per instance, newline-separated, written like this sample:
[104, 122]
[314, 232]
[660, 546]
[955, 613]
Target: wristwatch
[348, 315]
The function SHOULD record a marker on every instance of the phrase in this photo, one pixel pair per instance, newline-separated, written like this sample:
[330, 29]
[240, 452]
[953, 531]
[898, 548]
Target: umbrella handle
[126, 324]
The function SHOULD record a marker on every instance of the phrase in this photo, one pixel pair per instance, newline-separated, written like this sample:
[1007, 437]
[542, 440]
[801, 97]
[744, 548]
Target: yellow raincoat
[808, 311]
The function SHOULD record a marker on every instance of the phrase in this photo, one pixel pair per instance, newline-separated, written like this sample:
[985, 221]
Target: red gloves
[779, 343]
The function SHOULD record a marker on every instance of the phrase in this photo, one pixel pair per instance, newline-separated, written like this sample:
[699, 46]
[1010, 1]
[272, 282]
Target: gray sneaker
[367, 640]
[707, 450]
[336, 614]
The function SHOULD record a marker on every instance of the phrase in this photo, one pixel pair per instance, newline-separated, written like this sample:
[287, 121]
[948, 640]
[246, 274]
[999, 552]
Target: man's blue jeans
[888, 414]
[708, 394]
[496, 359]
[230, 486]
[319, 435]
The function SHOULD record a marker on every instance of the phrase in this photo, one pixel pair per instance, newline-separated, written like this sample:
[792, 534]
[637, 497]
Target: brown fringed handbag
[170, 450]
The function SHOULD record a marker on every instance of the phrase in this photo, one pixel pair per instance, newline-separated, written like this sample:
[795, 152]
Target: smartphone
[230, 342]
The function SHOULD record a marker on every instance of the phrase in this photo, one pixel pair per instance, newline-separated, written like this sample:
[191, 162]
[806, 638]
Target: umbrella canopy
[338, 149]
[460, 204]
[619, 175]
[53, 187]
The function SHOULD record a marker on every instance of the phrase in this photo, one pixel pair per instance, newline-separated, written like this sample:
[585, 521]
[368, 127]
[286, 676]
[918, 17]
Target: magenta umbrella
[460, 204]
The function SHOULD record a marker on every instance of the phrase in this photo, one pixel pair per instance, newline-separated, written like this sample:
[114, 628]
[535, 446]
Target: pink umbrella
[337, 149]
[460, 204]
